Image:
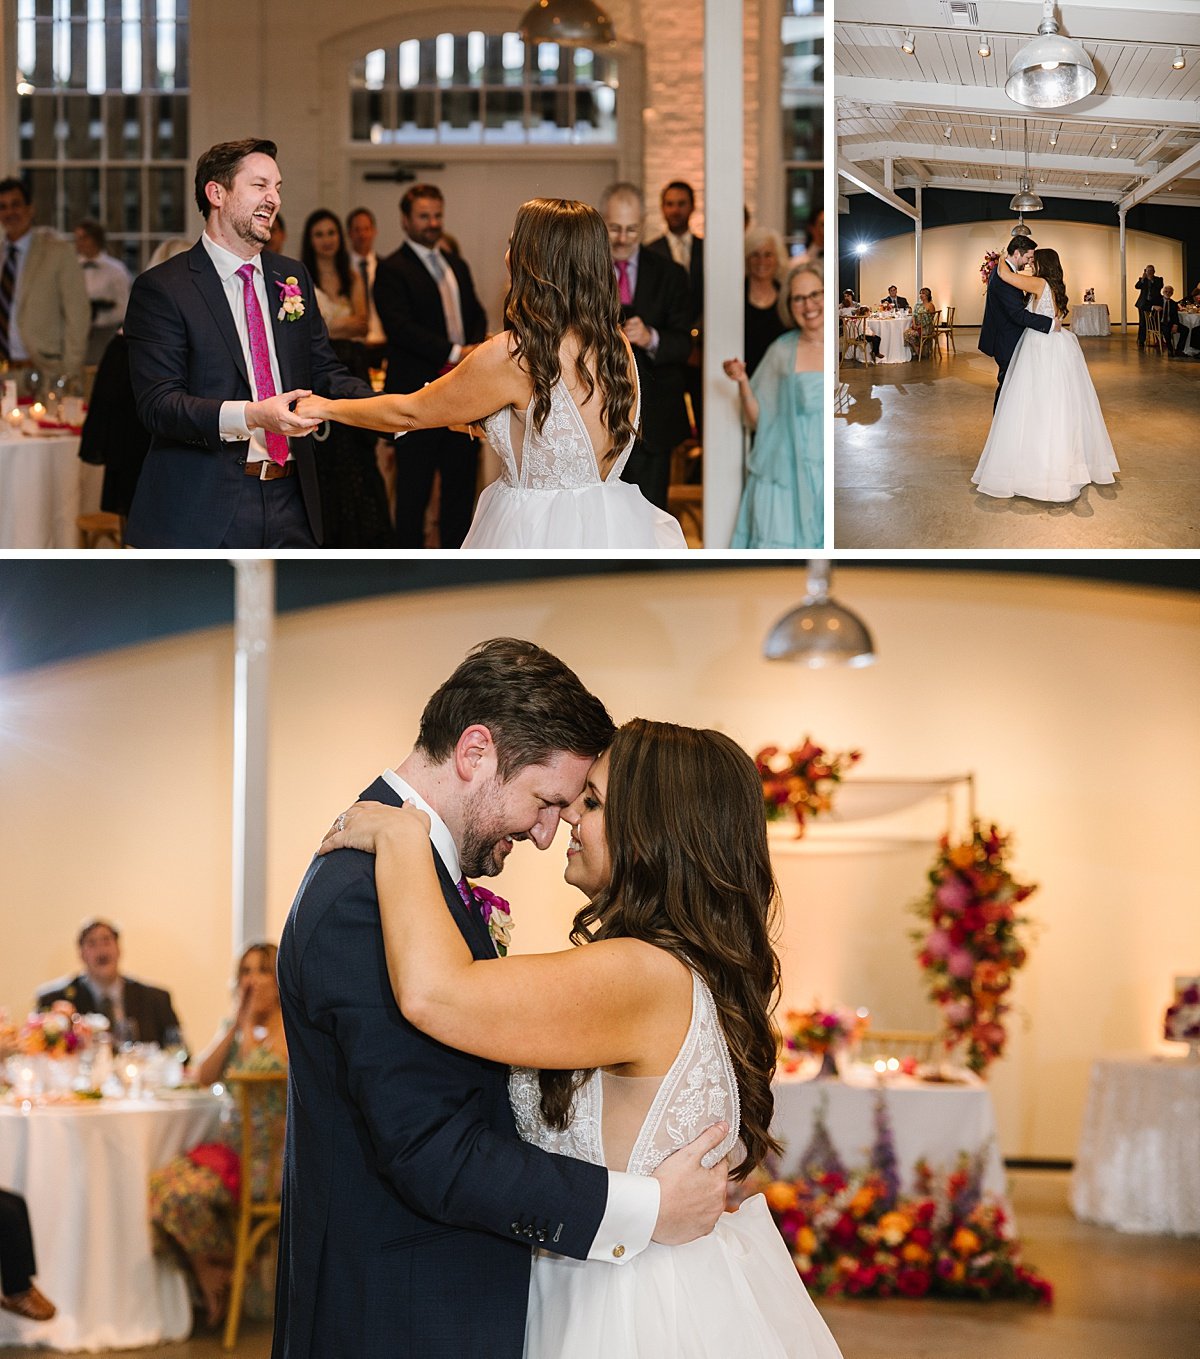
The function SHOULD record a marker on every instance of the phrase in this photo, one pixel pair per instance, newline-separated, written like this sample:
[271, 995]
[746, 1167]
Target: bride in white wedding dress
[556, 392]
[629, 1047]
[1048, 439]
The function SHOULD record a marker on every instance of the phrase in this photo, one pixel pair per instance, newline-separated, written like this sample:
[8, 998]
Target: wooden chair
[1154, 336]
[95, 529]
[927, 340]
[254, 1092]
[946, 328]
[854, 336]
[885, 1043]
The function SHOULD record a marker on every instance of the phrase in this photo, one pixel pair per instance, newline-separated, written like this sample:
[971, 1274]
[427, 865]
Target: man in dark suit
[656, 317]
[1004, 314]
[101, 989]
[681, 244]
[1149, 290]
[432, 318]
[1172, 332]
[410, 1205]
[894, 300]
[222, 341]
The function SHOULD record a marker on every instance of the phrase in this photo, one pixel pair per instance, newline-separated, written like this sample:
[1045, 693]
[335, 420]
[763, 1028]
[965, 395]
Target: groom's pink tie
[260, 355]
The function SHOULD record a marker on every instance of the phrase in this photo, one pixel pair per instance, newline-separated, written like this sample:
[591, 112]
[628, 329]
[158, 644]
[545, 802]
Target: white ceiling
[893, 109]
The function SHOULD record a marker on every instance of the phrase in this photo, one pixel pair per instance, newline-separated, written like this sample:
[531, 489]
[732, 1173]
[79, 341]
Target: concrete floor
[905, 450]
[1116, 1297]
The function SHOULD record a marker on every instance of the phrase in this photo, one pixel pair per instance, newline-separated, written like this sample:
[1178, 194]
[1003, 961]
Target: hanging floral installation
[798, 784]
[969, 946]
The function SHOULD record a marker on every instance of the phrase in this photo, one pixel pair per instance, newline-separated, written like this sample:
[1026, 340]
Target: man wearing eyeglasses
[656, 318]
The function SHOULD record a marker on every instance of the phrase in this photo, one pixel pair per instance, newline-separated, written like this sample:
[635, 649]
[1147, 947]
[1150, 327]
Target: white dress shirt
[375, 332]
[633, 1200]
[232, 419]
[106, 280]
[447, 281]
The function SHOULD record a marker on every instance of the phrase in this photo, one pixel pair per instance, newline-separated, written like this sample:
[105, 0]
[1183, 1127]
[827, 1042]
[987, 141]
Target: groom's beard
[485, 842]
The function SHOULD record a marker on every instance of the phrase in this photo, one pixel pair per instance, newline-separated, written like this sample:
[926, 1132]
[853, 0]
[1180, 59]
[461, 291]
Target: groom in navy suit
[410, 1206]
[217, 361]
[1004, 313]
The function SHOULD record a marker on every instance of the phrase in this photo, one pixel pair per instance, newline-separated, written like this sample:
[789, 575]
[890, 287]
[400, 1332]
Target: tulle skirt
[734, 1294]
[1048, 439]
[613, 513]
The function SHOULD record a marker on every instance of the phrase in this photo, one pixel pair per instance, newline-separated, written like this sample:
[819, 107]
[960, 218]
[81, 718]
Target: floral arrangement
[968, 946]
[291, 301]
[799, 783]
[59, 1032]
[497, 916]
[1089, 295]
[1181, 1023]
[819, 1030]
[990, 260]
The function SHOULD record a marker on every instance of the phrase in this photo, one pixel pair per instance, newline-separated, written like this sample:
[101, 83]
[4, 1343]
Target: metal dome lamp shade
[1026, 200]
[1050, 70]
[569, 23]
[820, 632]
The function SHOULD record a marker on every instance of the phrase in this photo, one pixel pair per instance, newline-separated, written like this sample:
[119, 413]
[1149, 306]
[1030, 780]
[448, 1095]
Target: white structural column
[254, 623]
[1124, 278]
[920, 277]
[724, 319]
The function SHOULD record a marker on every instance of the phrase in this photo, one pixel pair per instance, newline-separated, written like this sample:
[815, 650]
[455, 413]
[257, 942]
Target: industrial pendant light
[1050, 70]
[569, 23]
[1026, 200]
[820, 632]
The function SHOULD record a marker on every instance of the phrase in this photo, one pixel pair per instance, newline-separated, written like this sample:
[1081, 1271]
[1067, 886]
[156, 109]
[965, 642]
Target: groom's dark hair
[1021, 243]
[532, 704]
[220, 163]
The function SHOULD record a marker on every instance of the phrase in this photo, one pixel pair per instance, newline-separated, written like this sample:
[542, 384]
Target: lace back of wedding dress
[635, 1123]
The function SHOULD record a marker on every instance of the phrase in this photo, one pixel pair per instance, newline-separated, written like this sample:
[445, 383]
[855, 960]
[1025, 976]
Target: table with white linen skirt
[84, 1171]
[934, 1122]
[1189, 320]
[1090, 318]
[1138, 1164]
[890, 330]
[43, 489]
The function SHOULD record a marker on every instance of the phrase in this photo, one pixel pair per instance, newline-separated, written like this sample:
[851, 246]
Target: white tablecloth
[1138, 1166]
[890, 330]
[1190, 320]
[934, 1122]
[43, 489]
[83, 1170]
[1090, 318]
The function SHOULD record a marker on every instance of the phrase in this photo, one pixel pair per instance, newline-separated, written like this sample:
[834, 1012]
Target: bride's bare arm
[487, 379]
[585, 1007]
[1025, 282]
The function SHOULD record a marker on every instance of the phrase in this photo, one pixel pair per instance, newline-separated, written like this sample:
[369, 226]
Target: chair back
[1154, 330]
[875, 1044]
[947, 319]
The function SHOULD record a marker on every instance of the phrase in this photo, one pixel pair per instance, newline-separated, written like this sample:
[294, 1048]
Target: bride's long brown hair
[687, 840]
[563, 282]
[1047, 265]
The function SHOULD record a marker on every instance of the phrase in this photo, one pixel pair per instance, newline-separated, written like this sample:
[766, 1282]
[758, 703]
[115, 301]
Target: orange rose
[962, 856]
[894, 1227]
[806, 1241]
[861, 1203]
[965, 1242]
[915, 1254]
[781, 1196]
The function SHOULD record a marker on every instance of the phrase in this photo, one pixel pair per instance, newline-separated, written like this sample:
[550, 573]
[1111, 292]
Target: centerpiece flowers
[968, 945]
[799, 783]
[822, 1032]
[59, 1032]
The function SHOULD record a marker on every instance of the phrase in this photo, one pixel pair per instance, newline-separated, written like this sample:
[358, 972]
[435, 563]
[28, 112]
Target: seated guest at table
[764, 258]
[894, 300]
[140, 1012]
[193, 1200]
[924, 318]
[1196, 296]
[1173, 333]
[847, 306]
[18, 1293]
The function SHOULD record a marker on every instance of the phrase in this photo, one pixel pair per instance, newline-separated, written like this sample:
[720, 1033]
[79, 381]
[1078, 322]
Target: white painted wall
[1073, 704]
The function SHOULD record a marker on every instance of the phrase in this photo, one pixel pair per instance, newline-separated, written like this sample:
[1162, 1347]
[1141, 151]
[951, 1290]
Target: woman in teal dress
[783, 500]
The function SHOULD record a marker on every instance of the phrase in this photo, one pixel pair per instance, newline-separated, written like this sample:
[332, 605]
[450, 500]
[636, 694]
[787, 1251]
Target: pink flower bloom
[953, 895]
[960, 963]
[938, 944]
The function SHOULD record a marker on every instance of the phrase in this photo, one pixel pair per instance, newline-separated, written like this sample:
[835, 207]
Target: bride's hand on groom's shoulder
[366, 823]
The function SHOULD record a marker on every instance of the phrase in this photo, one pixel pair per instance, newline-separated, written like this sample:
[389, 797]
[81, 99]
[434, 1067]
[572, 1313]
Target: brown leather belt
[266, 470]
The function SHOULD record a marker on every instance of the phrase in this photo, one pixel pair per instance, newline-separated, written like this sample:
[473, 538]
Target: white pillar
[254, 625]
[920, 279]
[724, 322]
[1124, 280]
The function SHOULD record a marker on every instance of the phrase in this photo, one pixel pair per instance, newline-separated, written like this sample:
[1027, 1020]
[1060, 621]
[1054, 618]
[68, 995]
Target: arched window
[803, 114]
[103, 117]
[483, 89]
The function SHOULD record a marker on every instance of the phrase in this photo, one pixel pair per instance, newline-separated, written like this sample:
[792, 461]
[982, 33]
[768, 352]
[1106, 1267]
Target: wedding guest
[340, 292]
[362, 231]
[681, 244]
[141, 1012]
[924, 319]
[814, 249]
[847, 306]
[107, 282]
[1149, 289]
[783, 500]
[1172, 332]
[18, 1293]
[278, 234]
[193, 1200]
[893, 300]
[764, 259]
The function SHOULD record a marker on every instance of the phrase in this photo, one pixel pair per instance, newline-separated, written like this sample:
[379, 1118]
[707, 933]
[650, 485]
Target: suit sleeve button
[515, 1227]
[618, 1251]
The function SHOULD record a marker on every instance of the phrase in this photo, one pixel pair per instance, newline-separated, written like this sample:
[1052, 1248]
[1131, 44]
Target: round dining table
[1090, 318]
[83, 1168]
[1190, 320]
[43, 489]
[890, 330]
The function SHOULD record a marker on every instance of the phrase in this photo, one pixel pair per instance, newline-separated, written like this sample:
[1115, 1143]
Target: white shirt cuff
[652, 347]
[455, 353]
[629, 1217]
[232, 421]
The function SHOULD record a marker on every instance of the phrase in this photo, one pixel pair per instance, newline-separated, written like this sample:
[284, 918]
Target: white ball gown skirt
[1048, 440]
[730, 1295]
[612, 513]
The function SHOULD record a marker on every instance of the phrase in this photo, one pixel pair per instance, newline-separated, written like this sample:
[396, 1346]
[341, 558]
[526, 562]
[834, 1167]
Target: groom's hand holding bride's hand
[276, 414]
[312, 409]
[362, 826]
[692, 1194]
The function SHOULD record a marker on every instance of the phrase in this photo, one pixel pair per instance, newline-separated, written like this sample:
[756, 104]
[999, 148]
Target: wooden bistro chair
[256, 1216]
[946, 328]
[96, 529]
[927, 341]
[1154, 338]
[854, 336]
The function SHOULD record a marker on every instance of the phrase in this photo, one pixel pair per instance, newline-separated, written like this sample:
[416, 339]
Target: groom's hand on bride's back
[692, 1194]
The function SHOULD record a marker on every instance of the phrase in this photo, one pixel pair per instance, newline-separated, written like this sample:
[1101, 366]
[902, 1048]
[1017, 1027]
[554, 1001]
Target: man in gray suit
[44, 310]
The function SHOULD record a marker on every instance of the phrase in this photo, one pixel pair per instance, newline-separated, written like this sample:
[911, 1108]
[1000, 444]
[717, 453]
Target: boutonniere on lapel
[497, 916]
[291, 300]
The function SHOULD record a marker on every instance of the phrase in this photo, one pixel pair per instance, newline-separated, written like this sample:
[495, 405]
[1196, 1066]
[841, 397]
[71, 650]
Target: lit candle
[15, 417]
[37, 410]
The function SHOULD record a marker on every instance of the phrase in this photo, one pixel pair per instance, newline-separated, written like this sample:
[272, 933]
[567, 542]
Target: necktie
[454, 325]
[260, 356]
[624, 290]
[8, 281]
[365, 275]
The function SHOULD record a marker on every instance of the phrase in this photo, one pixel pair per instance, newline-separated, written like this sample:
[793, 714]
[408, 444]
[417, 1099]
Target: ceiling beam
[989, 156]
[1177, 169]
[873, 186]
[1176, 113]
[1163, 139]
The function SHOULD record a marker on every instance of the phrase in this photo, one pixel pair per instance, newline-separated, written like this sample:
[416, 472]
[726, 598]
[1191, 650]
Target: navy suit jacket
[410, 311]
[409, 1203]
[185, 359]
[662, 301]
[1004, 317]
[661, 246]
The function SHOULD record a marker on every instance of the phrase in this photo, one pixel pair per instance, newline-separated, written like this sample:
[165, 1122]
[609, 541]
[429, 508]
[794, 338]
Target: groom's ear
[475, 754]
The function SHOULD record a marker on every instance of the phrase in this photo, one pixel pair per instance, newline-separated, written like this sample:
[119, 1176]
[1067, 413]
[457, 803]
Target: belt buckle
[263, 468]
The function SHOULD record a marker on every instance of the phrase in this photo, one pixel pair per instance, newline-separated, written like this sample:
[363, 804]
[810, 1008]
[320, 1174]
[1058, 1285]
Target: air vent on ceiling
[961, 13]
